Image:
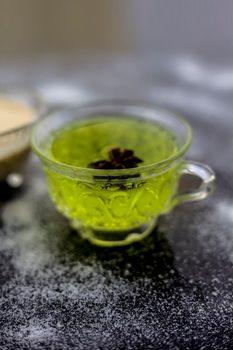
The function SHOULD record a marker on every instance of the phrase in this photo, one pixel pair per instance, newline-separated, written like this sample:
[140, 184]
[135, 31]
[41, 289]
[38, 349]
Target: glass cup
[15, 143]
[120, 206]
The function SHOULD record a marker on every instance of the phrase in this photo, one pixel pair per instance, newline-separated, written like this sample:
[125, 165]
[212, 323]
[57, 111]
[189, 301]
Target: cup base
[114, 238]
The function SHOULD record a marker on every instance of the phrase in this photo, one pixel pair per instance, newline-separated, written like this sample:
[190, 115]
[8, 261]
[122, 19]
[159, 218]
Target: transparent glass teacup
[119, 206]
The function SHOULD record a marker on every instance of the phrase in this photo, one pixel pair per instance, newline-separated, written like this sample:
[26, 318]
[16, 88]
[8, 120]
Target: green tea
[112, 205]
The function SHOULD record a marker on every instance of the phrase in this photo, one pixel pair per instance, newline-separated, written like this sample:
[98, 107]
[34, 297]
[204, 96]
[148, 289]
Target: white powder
[13, 114]
[59, 293]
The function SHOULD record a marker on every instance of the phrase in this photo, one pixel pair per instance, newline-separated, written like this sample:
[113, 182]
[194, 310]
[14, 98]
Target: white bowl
[15, 143]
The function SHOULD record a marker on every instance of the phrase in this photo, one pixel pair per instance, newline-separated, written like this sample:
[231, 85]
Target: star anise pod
[101, 164]
[119, 159]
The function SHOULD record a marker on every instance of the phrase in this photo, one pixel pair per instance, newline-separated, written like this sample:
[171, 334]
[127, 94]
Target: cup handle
[203, 172]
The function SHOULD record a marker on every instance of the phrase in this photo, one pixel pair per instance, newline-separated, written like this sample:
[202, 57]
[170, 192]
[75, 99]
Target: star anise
[119, 159]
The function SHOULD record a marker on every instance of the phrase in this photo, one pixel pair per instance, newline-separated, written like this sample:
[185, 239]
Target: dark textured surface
[171, 291]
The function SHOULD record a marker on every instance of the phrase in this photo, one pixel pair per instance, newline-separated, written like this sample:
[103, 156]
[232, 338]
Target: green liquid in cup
[104, 205]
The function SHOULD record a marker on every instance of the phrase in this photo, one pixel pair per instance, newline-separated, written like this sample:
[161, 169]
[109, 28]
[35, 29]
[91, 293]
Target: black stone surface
[171, 291]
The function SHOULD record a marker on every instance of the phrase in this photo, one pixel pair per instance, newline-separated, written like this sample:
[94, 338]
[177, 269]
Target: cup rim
[114, 172]
[33, 97]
